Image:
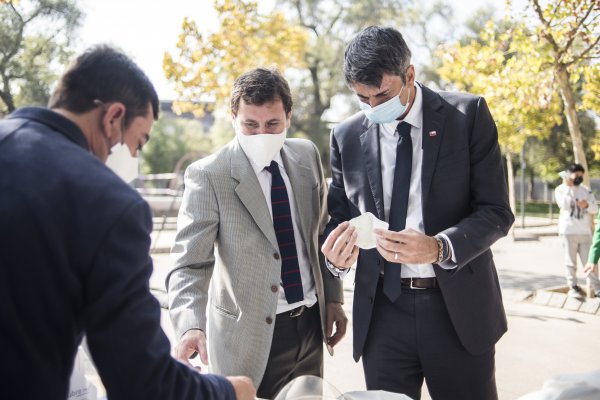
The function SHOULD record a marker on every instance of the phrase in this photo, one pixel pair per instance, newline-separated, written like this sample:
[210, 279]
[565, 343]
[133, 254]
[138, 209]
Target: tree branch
[573, 32]
[583, 54]
[557, 7]
[546, 33]
[313, 28]
[335, 19]
[19, 38]
[6, 96]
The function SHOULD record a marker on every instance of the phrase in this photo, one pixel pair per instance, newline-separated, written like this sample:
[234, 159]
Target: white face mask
[262, 148]
[123, 163]
[385, 112]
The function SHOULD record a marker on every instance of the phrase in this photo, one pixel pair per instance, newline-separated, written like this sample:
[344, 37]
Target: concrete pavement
[541, 341]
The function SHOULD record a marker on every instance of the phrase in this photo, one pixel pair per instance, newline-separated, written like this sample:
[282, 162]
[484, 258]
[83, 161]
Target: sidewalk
[541, 341]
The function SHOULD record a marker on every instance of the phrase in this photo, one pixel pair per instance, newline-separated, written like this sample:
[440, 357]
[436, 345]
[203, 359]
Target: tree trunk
[8, 101]
[531, 188]
[568, 99]
[511, 188]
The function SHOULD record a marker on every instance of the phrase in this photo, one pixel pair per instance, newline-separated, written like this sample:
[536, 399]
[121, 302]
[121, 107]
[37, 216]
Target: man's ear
[410, 74]
[113, 122]
[288, 121]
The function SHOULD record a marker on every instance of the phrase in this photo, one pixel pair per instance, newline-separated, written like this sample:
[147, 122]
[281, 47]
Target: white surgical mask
[385, 112]
[123, 163]
[261, 148]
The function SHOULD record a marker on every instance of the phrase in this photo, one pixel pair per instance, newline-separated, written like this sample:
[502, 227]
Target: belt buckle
[298, 311]
[414, 287]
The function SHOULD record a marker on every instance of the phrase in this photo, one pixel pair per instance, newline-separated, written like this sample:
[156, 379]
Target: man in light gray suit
[249, 283]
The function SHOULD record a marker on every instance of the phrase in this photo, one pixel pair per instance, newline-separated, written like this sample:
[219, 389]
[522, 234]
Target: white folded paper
[365, 224]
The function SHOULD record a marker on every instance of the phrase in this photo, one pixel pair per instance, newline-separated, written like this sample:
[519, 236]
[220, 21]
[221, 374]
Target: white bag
[582, 386]
[80, 387]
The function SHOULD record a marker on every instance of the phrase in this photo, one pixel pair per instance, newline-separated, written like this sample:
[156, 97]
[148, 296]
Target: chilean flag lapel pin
[432, 133]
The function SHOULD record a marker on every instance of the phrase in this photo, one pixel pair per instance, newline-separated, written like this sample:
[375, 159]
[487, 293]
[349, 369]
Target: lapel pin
[432, 133]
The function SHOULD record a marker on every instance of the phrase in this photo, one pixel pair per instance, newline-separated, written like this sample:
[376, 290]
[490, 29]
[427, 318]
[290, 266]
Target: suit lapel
[302, 187]
[369, 141]
[251, 194]
[433, 123]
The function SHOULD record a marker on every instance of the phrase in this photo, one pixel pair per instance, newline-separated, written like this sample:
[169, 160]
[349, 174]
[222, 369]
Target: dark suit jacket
[74, 259]
[464, 195]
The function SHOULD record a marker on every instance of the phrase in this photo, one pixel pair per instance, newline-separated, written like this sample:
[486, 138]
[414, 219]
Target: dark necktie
[284, 231]
[399, 205]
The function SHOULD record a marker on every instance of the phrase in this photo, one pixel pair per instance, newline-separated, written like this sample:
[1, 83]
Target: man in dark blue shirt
[74, 245]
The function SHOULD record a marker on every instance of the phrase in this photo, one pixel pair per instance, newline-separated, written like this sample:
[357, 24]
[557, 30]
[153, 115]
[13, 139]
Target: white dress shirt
[308, 284]
[388, 142]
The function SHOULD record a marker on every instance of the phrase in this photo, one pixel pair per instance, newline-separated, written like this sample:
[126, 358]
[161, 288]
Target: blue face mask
[385, 112]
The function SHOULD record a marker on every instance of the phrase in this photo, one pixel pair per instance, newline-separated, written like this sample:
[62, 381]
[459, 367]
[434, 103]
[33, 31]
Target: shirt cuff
[338, 272]
[451, 263]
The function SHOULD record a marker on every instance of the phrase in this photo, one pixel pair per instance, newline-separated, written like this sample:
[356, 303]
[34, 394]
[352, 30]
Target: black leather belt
[295, 313]
[298, 311]
[419, 283]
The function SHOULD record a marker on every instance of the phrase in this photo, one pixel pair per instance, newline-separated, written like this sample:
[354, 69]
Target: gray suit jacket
[226, 254]
[464, 195]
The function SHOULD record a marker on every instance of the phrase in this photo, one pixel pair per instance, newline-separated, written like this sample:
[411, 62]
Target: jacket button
[269, 320]
[274, 288]
[276, 256]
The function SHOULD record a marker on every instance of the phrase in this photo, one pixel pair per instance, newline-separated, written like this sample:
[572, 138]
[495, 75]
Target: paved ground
[541, 341]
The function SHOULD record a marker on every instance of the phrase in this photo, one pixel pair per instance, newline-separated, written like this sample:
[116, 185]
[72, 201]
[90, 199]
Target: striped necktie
[284, 231]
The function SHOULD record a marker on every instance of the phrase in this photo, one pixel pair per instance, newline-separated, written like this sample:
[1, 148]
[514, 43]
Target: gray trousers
[578, 245]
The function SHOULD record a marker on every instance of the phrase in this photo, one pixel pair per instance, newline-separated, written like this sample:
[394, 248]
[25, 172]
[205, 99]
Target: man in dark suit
[75, 245]
[427, 303]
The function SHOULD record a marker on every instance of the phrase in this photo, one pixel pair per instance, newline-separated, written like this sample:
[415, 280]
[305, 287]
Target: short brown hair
[105, 74]
[259, 86]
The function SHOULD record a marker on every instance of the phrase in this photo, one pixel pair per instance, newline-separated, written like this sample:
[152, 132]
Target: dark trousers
[296, 350]
[413, 339]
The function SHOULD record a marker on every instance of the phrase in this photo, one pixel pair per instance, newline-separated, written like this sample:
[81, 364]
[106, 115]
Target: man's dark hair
[373, 52]
[575, 168]
[105, 74]
[259, 86]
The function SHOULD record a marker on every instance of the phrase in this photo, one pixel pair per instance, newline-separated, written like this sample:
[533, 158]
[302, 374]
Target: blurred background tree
[329, 24]
[171, 140]
[31, 55]
[569, 30]
[309, 49]
[207, 64]
[513, 65]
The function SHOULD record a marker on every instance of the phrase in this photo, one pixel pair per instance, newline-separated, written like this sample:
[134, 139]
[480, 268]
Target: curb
[556, 296]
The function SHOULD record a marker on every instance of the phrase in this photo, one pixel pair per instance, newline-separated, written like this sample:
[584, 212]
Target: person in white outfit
[577, 203]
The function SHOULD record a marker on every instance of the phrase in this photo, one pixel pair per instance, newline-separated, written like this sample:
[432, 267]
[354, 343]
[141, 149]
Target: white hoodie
[572, 219]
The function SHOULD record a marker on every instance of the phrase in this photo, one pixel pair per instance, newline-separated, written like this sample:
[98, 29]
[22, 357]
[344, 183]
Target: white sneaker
[576, 292]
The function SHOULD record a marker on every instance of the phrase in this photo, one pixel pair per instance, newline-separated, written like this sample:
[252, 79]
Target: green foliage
[34, 47]
[569, 31]
[546, 157]
[170, 141]
[520, 67]
[504, 67]
[221, 132]
[539, 209]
